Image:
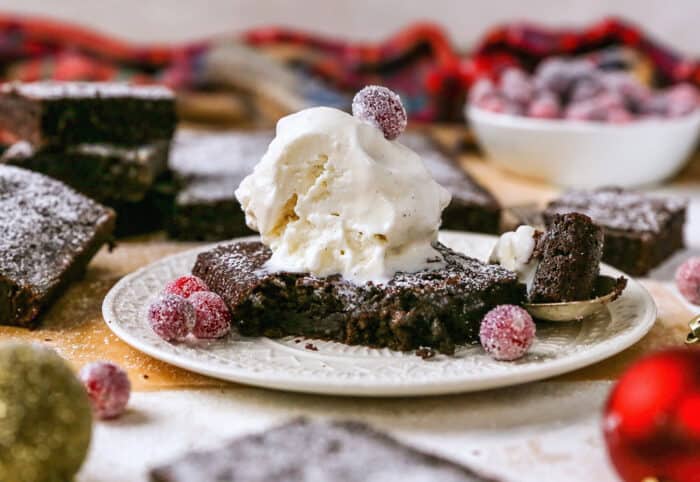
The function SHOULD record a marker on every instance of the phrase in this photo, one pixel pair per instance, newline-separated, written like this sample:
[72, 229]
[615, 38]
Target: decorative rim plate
[340, 369]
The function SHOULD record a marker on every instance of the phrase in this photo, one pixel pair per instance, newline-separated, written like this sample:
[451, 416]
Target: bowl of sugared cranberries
[574, 125]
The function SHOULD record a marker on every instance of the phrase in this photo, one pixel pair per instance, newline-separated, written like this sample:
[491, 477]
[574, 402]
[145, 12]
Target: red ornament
[652, 419]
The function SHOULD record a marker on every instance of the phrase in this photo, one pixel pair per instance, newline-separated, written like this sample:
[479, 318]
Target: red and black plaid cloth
[419, 62]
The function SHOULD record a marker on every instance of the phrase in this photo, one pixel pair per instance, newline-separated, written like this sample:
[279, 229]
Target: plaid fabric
[419, 62]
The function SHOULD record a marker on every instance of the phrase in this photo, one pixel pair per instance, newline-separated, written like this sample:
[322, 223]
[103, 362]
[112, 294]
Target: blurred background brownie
[105, 172]
[472, 208]
[66, 113]
[641, 230]
[315, 451]
[49, 234]
[207, 168]
[570, 253]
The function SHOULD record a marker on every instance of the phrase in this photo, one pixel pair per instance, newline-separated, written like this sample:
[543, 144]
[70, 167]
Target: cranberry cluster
[185, 307]
[579, 90]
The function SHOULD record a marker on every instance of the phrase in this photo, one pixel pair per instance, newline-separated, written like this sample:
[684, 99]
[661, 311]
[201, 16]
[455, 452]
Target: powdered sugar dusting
[446, 171]
[212, 165]
[45, 225]
[616, 208]
[52, 90]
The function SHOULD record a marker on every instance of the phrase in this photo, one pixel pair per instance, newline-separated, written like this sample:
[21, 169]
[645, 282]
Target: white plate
[357, 370]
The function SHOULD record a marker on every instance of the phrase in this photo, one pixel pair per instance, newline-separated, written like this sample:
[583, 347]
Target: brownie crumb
[311, 346]
[425, 352]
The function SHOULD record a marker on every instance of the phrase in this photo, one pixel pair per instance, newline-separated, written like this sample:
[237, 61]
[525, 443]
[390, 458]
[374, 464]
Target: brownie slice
[49, 234]
[570, 253]
[472, 208]
[436, 308]
[67, 113]
[641, 231]
[104, 172]
[208, 168]
[303, 451]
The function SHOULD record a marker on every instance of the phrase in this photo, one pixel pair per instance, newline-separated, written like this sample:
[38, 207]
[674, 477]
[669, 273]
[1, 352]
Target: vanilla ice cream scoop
[332, 195]
[514, 251]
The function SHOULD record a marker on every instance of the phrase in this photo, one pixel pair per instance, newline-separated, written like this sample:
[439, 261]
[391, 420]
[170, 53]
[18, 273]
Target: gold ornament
[45, 417]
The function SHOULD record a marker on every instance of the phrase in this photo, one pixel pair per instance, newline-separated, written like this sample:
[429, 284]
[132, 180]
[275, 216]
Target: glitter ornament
[45, 416]
[652, 419]
[382, 108]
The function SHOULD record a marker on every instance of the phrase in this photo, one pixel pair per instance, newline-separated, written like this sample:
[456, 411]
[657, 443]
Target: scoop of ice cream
[332, 195]
[514, 251]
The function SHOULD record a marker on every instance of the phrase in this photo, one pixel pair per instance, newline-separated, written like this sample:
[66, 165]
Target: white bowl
[579, 154]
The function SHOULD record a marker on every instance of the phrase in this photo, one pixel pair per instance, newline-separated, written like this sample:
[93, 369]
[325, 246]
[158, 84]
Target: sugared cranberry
[382, 108]
[185, 285]
[108, 388]
[688, 280]
[212, 317]
[171, 317]
[544, 106]
[682, 99]
[516, 86]
[498, 104]
[480, 90]
[507, 332]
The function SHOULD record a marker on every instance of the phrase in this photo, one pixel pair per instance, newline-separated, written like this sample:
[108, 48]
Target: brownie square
[104, 172]
[472, 208]
[49, 234]
[209, 167]
[68, 113]
[641, 230]
[303, 451]
[437, 308]
[570, 253]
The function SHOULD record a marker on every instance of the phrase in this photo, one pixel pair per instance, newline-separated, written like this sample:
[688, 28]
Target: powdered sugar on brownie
[45, 226]
[51, 90]
[211, 166]
[616, 208]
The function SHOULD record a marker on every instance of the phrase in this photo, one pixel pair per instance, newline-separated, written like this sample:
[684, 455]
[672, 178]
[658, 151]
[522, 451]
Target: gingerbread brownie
[437, 308]
[569, 259]
[104, 172]
[328, 451]
[208, 167]
[67, 113]
[49, 234]
[472, 208]
[641, 230]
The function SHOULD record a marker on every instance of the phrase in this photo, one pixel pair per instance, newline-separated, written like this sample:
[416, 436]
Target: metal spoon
[606, 290]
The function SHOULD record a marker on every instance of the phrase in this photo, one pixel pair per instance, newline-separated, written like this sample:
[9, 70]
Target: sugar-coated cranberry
[516, 86]
[688, 280]
[586, 88]
[499, 104]
[212, 316]
[185, 285]
[507, 332]
[481, 88]
[544, 106]
[108, 388]
[682, 100]
[382, 108]
[619, 116]
[171, 317]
